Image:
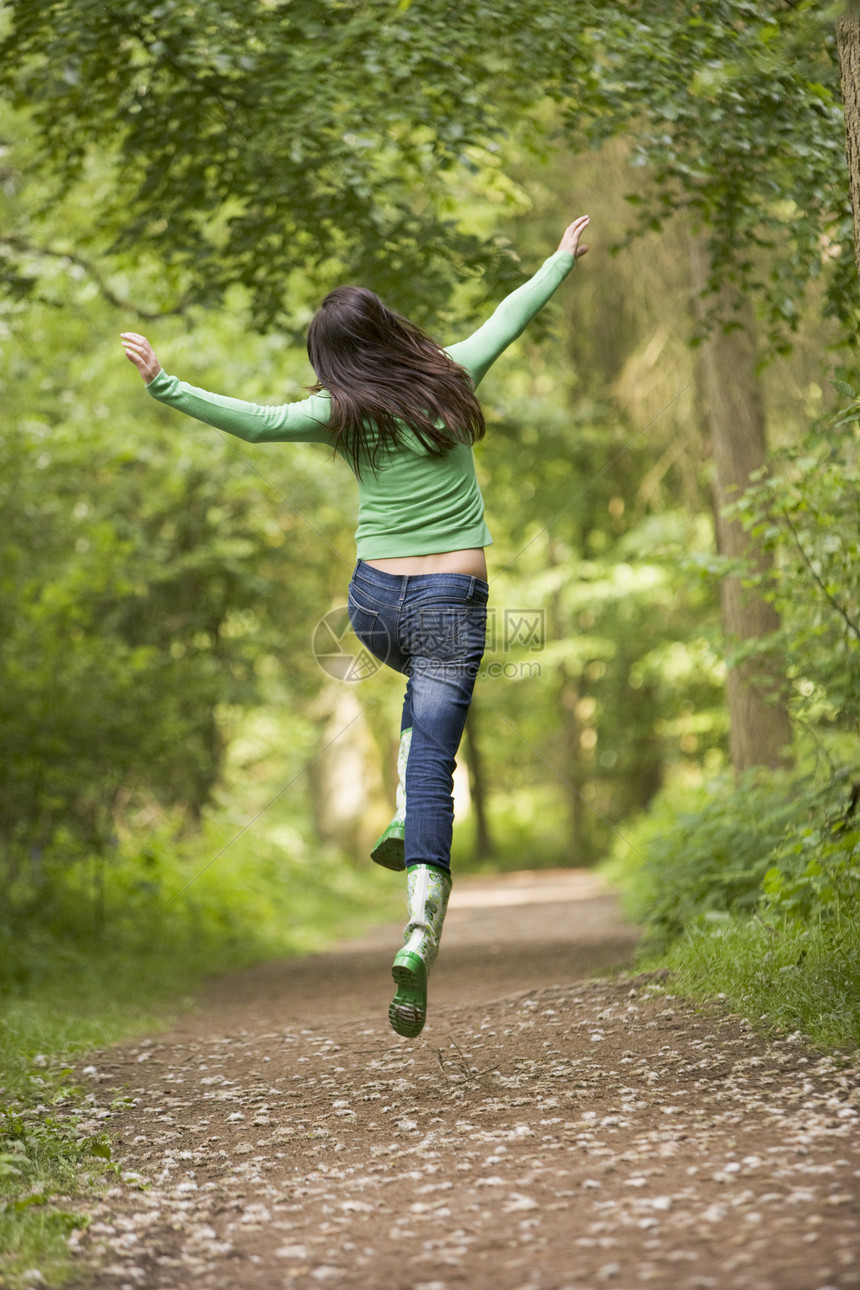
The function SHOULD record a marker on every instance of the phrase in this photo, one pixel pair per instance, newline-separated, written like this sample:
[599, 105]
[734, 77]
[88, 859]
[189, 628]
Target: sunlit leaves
[253, 140]
[735, 115]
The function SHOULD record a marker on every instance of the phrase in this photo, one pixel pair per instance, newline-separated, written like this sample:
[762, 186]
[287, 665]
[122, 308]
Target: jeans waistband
[469, 587]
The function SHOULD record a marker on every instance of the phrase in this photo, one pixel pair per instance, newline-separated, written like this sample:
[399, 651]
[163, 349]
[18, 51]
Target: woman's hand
[139, 351]
[572, 234]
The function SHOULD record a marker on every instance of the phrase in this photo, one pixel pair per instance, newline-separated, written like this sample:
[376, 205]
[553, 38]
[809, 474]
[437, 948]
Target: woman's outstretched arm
[302, 422]
[480, 350]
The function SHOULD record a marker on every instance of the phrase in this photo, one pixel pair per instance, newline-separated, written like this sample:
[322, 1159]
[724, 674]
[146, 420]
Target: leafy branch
[112, 297]
[819, 581]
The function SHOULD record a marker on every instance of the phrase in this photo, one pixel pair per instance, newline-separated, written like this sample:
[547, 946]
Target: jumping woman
[403, 414]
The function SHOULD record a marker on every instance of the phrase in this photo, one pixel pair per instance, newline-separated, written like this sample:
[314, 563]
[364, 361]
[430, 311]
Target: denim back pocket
[445, 632]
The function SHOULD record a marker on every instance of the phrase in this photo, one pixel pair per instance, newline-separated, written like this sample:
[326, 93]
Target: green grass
[784, 979]
[47, 1163]
[749, 889]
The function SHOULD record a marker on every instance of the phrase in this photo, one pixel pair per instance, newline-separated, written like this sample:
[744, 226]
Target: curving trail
[546, 1132]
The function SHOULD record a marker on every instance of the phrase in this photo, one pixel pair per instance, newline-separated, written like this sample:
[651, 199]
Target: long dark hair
[379, 368]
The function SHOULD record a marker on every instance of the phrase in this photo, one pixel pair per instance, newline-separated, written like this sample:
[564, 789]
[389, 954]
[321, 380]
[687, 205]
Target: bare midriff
[472, 562]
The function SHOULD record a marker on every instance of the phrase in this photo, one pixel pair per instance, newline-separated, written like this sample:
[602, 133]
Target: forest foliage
[179, 172]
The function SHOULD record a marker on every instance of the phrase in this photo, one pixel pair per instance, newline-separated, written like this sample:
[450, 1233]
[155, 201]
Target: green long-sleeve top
[412, 503]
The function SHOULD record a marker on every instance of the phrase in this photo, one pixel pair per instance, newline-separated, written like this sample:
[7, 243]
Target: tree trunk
[347, 794]
[484, 848]
[568, 698]
[730, 399]
[848, 43]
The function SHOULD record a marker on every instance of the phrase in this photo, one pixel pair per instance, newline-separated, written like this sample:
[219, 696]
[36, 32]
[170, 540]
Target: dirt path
[546, 1132]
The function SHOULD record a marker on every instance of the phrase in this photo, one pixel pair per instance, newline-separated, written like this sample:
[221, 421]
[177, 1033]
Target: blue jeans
[432, 627]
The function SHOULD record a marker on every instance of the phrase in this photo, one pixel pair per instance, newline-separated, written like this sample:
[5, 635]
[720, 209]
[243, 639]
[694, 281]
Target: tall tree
[848, 36]
[714, 80]
[733, 414]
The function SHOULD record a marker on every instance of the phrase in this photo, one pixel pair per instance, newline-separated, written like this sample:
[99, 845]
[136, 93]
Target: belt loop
[471, 588]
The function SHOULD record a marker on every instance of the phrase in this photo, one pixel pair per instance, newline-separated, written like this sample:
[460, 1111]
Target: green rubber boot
[388, 849]
[427, 892]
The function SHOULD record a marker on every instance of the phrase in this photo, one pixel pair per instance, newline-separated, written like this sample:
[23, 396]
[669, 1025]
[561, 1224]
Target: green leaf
[25, 1202]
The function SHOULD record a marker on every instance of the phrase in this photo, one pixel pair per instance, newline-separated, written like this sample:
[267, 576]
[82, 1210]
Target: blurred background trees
[204, 172]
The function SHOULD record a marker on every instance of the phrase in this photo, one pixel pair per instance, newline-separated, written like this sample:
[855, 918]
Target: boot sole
[407, 1012]
[390, 852]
